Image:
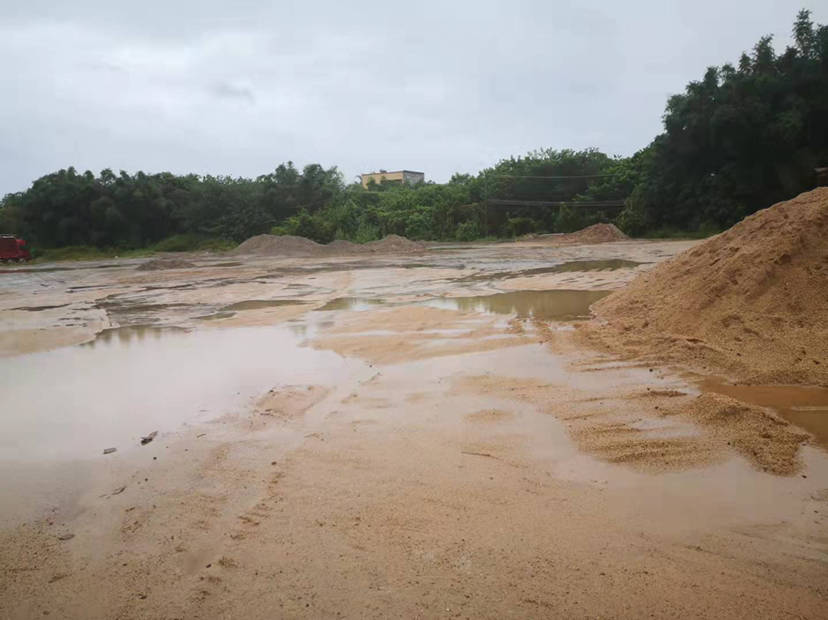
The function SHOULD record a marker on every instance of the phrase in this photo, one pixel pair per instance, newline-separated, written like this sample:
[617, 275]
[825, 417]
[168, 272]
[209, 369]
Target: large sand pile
[159, 264]
[287, 245]
[751, 302]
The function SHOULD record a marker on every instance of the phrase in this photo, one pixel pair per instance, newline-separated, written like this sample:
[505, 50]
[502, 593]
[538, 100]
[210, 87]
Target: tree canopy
[740, 139]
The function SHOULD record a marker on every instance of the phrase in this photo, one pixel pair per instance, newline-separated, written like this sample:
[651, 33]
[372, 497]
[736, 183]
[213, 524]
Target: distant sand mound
[597, 233]
[752, 301]
[341, 247]
[391, 244]
[290, 246]
[279, 245]
[159, 264]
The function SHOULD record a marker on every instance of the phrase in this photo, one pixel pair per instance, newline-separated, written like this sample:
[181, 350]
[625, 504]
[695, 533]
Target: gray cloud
[237, 88]
[226, 90]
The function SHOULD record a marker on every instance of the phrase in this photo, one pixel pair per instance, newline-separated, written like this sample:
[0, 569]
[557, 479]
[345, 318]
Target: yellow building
[408, 177]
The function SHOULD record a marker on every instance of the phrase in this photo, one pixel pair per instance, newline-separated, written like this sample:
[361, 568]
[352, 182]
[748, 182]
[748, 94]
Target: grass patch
[75, 252]
[192, 243]
[176, 243]
[703, 232]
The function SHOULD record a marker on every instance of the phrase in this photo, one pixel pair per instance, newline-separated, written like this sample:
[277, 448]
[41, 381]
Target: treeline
[457, 210]
[67, 208]
[741, 139]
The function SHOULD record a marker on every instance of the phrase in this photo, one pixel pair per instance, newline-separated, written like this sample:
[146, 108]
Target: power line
[582, 176]
[577, 204]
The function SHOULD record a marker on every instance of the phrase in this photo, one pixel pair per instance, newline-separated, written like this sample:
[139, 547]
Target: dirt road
[412, 436]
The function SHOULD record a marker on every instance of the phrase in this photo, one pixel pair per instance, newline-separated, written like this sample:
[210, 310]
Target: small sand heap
[390, 244]
[597, 233]
[290, 246]
[159, 264]
[752, 301]
[340, 246]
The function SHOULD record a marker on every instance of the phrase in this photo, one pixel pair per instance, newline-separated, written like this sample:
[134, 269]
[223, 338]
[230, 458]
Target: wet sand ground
[411, 437]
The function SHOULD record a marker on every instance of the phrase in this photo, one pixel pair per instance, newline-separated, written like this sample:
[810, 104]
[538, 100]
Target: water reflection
[612, 264]
[803, 405]
[547, 305]
[351, 303]
[258, 304]
[130, 333]
[216, 316]
[75, 401]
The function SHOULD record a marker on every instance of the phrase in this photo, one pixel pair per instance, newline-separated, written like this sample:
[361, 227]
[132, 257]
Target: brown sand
[160, 264]
[391, 244]
[597, 233]
[285, 404]
[281, 245]
[357, 522]
[757, 433]
[413, 333]
[417, 491]
[340, 246]
[288, 245]
[655, 430]
[21, 341]
[751, 302]
[490, 415]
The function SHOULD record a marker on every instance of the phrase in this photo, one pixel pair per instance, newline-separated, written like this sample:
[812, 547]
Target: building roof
[392, 172]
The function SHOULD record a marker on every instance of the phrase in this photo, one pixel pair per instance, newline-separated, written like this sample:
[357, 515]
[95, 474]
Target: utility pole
[486, 203]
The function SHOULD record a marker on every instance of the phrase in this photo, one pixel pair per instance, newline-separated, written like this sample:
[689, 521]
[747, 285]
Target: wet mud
[341, 437]
[804, 406]
[560, 305]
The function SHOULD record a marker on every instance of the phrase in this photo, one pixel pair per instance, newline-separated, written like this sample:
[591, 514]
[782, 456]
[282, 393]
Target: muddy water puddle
[127, 334]
[555, 305]
[39, 308]
[231, 310]
[232, 263]
[217, 316]
[356, 304]
[612, 264]
[73, 402]
[260, 304]
[805, 406]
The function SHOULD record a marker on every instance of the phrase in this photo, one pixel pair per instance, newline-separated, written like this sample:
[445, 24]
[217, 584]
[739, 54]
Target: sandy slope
[752, 301]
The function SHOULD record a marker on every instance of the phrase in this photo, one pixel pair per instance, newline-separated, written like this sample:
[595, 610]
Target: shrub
[468, 231]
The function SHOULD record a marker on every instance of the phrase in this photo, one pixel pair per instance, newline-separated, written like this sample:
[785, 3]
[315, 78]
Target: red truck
[13, 250]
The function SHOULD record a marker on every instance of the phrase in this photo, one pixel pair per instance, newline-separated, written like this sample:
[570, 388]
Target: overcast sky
[223, 87]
